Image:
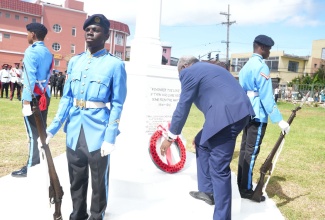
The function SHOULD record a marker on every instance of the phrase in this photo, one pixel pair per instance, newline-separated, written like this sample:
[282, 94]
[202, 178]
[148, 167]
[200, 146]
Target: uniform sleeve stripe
[265, 76]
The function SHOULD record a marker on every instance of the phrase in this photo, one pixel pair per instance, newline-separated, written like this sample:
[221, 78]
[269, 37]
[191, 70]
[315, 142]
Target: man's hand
[106, 148]
[285, 127]
[164, 146]
[27, 110]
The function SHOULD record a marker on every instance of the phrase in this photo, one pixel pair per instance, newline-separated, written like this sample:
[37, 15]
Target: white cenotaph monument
[138, 190]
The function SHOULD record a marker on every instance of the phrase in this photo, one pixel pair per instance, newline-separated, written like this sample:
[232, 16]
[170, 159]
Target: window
[56, 46]
[118, 39]
[293, 66]
[0, 14]
[238, 63]
[272, 63]
[118, 54]
[57, 28]
[34, 20]
[164, 50]
[17, 17]
[323, 54]
[0, 37]
[6, 36]
[73, 49]
[25, 18]
[7, 15]
[315, 65]
[74, 31]
[56, 62]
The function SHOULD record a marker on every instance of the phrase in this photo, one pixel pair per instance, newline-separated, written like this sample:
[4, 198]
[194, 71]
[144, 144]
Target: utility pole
[228, 23]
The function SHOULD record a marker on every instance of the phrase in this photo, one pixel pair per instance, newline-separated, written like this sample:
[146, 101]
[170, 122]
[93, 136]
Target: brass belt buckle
[81, 104]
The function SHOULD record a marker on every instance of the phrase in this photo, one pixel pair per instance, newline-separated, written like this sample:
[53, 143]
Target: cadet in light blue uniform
[37, 68]
[96, 79]
[255, 79]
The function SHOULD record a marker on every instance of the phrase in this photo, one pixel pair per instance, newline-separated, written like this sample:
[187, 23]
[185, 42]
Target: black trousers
[78, 163]
[59, 89]
[13, 86]
[4, 87]
[32, 132]
[53, 88]
[253, 135]
[276, 96]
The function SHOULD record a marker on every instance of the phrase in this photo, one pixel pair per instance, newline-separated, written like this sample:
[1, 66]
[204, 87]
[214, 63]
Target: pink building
[65, 36]
[166, 52]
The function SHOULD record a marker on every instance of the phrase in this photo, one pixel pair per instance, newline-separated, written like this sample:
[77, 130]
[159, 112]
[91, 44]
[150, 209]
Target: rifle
[267, 166]
[55, 189]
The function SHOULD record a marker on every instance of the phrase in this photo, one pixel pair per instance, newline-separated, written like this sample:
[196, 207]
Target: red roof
[115, 25]
[17, 5]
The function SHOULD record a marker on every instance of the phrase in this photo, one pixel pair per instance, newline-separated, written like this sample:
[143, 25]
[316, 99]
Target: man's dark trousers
[213, 166]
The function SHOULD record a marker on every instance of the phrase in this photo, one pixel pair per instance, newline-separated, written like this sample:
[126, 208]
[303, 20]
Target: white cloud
[207, 12]
[302, 21]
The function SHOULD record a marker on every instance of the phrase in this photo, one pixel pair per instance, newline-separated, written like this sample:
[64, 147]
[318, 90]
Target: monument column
[146, 46]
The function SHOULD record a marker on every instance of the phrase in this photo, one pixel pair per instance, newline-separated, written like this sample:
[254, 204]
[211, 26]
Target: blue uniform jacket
[100, 77]
[216, 93]
[37, 64]
[255, 76]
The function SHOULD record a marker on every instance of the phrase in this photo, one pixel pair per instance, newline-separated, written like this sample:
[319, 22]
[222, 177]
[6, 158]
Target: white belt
[88, 104]
[252, 94]
[41, 81]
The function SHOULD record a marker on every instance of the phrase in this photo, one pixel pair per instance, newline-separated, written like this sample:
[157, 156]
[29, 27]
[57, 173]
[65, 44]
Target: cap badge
[97, 20]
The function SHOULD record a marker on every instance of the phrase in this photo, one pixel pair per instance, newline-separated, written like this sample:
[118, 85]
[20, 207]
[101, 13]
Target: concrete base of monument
[138, 190]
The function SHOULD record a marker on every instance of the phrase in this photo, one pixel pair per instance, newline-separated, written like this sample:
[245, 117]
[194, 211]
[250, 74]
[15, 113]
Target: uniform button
[85, 76]
[81, 91]
[86, 68]
[83, 84]
[89, 62]
[98, 81]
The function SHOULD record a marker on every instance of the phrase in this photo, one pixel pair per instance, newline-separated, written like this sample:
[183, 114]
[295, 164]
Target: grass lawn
[297, 184]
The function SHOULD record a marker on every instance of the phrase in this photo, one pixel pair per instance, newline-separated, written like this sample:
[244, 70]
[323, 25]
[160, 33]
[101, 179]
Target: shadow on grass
[276, 189]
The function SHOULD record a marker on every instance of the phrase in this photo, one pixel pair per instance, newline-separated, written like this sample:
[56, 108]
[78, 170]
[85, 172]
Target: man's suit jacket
[216, 93]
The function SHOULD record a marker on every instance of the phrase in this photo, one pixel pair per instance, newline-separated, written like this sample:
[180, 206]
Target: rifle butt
[257, 196]
[258, 192]
[57, 216]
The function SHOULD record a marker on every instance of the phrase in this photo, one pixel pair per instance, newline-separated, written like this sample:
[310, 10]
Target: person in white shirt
[276, 94]
[15, 74]
[5, 79]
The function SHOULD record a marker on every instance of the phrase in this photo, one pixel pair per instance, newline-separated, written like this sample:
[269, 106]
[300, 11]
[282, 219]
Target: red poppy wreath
[169, 165]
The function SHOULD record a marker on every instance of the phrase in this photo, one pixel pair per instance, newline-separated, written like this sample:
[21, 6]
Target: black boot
[207, 197]
[20, 173]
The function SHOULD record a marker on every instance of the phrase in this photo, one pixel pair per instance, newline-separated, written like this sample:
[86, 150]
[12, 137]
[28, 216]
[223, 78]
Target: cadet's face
[265, 51]
[95, 36]
[30, 37]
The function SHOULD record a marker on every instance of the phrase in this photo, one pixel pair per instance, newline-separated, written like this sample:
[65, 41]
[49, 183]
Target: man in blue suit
[227, 110]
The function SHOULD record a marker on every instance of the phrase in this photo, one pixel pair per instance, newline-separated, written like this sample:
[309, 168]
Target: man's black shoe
[20, 173]
[207, 197]
[248, 194]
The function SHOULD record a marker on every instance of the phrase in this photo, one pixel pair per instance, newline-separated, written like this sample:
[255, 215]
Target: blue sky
[194, 27]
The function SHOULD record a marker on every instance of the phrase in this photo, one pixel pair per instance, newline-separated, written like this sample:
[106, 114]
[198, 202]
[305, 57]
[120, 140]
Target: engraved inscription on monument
[161, 102]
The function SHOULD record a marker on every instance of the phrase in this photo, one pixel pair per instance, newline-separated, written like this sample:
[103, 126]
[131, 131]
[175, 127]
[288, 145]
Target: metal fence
[298, 91]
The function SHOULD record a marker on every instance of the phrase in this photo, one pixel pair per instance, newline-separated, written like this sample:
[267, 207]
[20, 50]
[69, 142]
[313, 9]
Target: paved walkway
[138, 191]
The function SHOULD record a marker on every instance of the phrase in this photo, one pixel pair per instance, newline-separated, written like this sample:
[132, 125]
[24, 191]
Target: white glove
[285, 127]
[47, 140]
[27, 110]
[106, 148]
